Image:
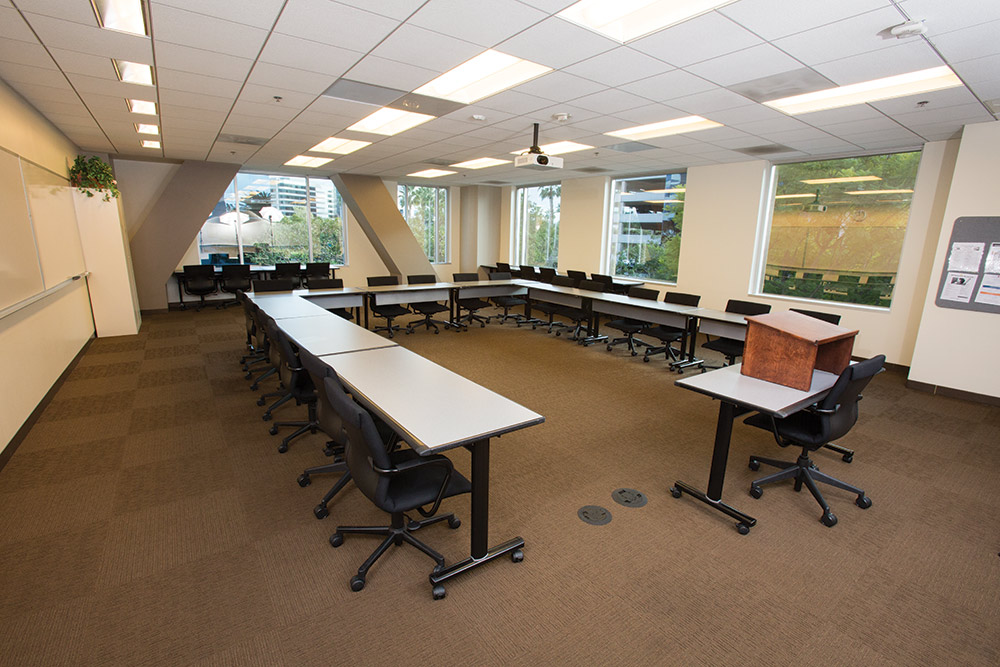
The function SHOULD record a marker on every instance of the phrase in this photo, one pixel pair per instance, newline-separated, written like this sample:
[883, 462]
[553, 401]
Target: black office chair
[235, 278]
[288, 271]
[262, 347]
[608, 282]
[396, 482]
[274, 285]
[529, 272]
[550, 310]
[388, 312]
[667, 334]
[505, 301]
[329, 422]
[811, 429]
[546, 274]
[331, 283]
[296, 384]
[428, 308]
[317, 271]
[471, 306]
[576, 276]
[252, 353]
[578, 317]
[631, 327]
[199, 281]
[732, 348]
[503, 267]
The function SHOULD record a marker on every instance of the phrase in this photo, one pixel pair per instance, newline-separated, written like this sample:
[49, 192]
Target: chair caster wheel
[756, 491]
[438, 592]
[248, 376]
[266, 416]
[321, 511]
[517, 555]
[454, 522]
[742, 528]
[829, 519]
[558, 333]
[336, 540]
[436, 332]
[864, 502]
[261, 401]
[675, 492]
[304, 480]
[634, 353]
[273, 430]
[609, 348]
[482, 325]
[282, 448]
[754, 464]
[645, 359]
[848, 458]
[357, 583]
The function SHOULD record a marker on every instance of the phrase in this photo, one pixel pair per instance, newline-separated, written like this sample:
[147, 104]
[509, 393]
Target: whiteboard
[20, 272]
[53, 218]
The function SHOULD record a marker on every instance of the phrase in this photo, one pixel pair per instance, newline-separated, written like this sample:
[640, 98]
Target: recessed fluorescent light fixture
[144, 128]
[842, 179]
[665, 128]
[123, 15]
[431, 173]
[150, 143]
[810, 194]
[141, 106]
[307, 161]
[901, 85]
[130, 72]
[879, 192]
[339, 146]
[624, 21]
[558, 148]
[389, 121]
[485, 75]
[480, 163]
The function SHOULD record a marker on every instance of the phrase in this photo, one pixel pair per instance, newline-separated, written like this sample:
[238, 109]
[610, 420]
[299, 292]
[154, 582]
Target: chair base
[470, 317]
[321, 510]
[430, 323]
[391, 329]
[804, 471]
[631, 341]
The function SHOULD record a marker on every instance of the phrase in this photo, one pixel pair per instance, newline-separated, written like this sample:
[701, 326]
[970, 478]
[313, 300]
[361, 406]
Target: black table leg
[688, 343]
[717, 475]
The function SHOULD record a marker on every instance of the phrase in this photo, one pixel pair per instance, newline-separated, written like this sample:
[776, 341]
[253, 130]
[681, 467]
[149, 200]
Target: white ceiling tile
[940, 99]
[325, 22]
[771, 126]
[618, 66]
[744, 114]
[323, 58]
[601, 124]
[649, 113]
[291, 102]
[192, 100]
[987, 90]
[537, 43]
[196, 83]
[390, 73]
[826, 144]
[192, 126]
[84, 63]
[710, 101]
[772, 19]
[14, 74]
[973, 112]
[397, 9]
[58, 33]
[852, 113]
[78, 12]
[175, 112]
[941, 17]
[869, 125]
[272, 111]
[848, 37]
[12, 26]
[514, 102]
[35, 93]
[610, 101]
[969, 43]
[425, 48]
[177, 26]
[557, 85]
[665, 87]
[909, 56]
[258, 13]
[687, 43]
[461, 17]
[24, 53]
[210, 63]
[288, 78]
[109, 86]
[753, 63]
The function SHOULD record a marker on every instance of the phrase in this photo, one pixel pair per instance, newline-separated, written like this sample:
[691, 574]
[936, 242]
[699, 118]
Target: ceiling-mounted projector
[535, 158]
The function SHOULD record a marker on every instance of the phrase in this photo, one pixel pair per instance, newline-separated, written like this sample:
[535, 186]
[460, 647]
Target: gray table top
[728, 384]
[331, 335]
[283, 305]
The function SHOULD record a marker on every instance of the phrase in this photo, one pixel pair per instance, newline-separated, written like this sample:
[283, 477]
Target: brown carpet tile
[148, 519]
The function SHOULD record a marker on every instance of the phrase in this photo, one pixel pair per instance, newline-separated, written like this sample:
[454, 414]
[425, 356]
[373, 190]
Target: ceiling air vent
[768, 149]
[592, 170]
[239, 139]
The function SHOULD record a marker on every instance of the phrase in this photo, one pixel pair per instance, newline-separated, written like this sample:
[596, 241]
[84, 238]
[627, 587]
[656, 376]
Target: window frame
[403, 190]
[519, 237]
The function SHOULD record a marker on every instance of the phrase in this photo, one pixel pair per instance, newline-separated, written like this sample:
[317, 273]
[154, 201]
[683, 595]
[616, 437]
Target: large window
[265, 219]
[837, 228]
[425, 210]
[646, 217]
[536, 225]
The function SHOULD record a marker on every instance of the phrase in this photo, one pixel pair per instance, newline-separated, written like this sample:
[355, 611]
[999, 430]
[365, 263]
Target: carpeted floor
[149, 519]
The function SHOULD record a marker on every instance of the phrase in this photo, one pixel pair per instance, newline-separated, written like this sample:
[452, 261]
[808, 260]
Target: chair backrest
[235, 271]
[198, 271]
[421, 279]
[291, 372]
[832, 318]
[274, 285]
[500, 275]
[638, 292]
[287, 269]
[593, 285]
[503, 267]
[601, 278]
[528, 272]
[682, 299]
[326, 283]
[328, 418]
[546, 274]
[844, 396]
[364, 450]
[564, 281]
[747, 307]
[318, 270]
[243, 300]
[464, 277]
[379, 281]
[576, 275]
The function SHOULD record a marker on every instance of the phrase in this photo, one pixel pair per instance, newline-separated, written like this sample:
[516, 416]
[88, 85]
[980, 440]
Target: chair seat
[473, 304]
[729, 347]
[802, 427]
[627, 326]
[414, 488]
[429, 307]
[663, 333]
[508, 301]
[390, 310]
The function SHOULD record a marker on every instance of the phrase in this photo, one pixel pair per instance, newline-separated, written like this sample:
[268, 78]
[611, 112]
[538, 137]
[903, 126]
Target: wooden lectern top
[802, 326]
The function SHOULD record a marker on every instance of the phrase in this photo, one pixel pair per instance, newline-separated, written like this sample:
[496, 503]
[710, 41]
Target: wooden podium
[785, 347]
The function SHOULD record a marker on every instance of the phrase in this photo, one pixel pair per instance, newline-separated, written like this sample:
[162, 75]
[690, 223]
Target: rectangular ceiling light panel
[625, 20]
[337, 146]
[665, 128]
[890, 87]
[147, 128]
[480, 163]
[130, 72]
[389, 121]
[307, 161]
[431, 173]
[122, 15]
[141, 106]
[487, 74]
[150, 143]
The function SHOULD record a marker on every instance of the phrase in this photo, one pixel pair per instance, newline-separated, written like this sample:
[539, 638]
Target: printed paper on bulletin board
[970, 277]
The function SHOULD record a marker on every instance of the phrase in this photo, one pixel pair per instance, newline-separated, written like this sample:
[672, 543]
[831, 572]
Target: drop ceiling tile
[323, 58]
[775, 125]
[460, 17]
[752, 63]
[969, 43]
[853, 113]
[183, 153]
[848, 37]
[668, 86]
[60, 34]
[909, 56]
[575, 43]
[973, 112]
[315, 20]
[24, 53]
[338, 107]
[12, 26]
[772, 19]
[192, 126]
[619, 66]
[987, 90]
[390, 73]
[559, 86]
[271, 111]
[77, 12]
[14, 74]
[648, 113]
[942, 17]
[109, 86]
[425, 48]
[288, 78]
[610, 101]
[576, 115]
[257, 13]
[744, 114]
[182, 98]
[397, 9]
[514, 102]
[84, 63]
[176, 112]
[868, 125]
[177, 26]
[36, 94]
[710, 101]
[290, 99]
[601, 124]
[940, 99]
[209, 63]
[191, 82]
[686, 43]
[827, 144]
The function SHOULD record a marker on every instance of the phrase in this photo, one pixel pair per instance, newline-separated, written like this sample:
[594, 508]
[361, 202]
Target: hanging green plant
[93, 174]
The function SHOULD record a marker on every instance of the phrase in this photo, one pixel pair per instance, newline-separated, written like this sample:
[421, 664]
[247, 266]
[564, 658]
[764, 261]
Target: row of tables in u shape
[434, 409]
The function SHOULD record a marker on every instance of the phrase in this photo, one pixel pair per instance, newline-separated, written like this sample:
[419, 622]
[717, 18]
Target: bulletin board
[970, 278]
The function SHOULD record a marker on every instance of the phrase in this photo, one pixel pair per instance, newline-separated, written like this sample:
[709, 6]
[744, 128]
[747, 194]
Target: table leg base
[455, 569]
[744, 521]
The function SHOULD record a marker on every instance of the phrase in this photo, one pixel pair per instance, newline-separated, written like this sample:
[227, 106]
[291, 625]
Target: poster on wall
[970, 277]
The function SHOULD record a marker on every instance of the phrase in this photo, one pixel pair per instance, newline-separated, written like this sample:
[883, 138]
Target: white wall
[957, 348]
[581, 224]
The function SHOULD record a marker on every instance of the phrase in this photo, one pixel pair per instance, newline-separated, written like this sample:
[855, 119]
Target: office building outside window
[536, 225]
[837, 228]
[425, 210]
[646, 220]
[270, 218]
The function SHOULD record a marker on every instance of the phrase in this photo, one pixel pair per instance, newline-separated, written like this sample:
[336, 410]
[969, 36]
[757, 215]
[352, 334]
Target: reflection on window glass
[646, 218]
[536, 228]
[837, 228]
[269, 218]
[425, 210]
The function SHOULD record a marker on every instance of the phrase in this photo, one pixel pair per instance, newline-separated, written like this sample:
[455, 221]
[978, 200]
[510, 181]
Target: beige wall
[582, 214]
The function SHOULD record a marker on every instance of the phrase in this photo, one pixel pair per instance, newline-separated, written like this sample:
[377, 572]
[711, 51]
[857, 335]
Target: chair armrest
[434, 459]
